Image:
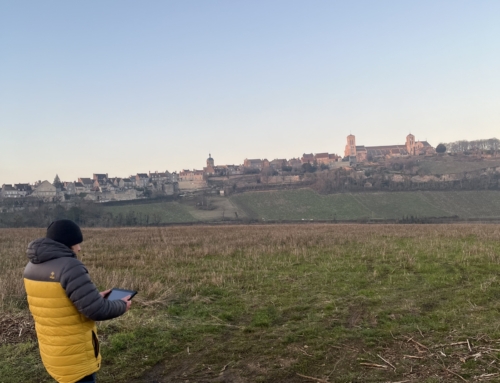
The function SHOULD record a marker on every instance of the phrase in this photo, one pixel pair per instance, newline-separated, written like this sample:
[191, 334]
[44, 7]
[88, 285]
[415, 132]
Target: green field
[280, 304]
[306, 204]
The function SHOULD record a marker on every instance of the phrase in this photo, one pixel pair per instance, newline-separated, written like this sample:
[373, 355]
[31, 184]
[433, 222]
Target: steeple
[350, 148]
[410, 144]
[210, 161]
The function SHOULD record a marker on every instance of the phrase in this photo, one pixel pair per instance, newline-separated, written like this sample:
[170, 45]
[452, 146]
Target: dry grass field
[290, 303]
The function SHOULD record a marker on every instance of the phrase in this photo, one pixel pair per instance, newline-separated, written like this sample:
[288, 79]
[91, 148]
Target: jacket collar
[45, 249]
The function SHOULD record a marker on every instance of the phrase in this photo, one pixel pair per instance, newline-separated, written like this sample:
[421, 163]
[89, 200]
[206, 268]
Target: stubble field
[290, 303]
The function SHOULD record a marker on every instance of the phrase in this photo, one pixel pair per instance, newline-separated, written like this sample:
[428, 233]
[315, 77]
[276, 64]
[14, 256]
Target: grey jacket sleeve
[83, 293]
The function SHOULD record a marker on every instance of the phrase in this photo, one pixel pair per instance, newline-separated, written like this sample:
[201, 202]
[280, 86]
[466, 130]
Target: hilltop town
[254, 173]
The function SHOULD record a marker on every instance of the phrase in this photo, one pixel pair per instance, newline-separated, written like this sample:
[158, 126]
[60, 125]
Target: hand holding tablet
[117, 294]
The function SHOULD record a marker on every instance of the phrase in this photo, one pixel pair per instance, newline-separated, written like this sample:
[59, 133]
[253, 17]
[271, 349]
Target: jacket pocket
[95, 343]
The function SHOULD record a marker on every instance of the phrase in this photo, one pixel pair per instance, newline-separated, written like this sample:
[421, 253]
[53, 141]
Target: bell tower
[350, 148]
[410, 144]
[210, 169]
[210, 161]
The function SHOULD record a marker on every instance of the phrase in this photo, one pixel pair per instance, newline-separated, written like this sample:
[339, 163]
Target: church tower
[210, 169]
[410, 144]
[350, 148]
[210, 161]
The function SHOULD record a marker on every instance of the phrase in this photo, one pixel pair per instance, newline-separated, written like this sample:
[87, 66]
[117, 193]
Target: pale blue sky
[121, 87]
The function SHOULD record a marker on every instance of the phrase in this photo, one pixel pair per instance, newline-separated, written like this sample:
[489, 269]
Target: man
[65, 304]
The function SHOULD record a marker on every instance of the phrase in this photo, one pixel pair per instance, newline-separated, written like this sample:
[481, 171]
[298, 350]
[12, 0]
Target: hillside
[453, 165]
[443, 186]
[160, 212]
[306, 204]
[176, 212]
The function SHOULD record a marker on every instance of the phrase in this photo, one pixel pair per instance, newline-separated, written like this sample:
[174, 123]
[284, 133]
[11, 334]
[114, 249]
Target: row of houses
[103, 183]
[159, 181]
[294, 163]
[278, 164]
[99, 183]
[42, 190]
[15, 191]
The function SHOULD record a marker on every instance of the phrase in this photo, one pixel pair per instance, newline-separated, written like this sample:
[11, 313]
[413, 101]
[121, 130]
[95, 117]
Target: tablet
[116, 294]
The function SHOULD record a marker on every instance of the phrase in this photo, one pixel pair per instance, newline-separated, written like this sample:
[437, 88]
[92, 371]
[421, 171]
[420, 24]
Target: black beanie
[65, 231]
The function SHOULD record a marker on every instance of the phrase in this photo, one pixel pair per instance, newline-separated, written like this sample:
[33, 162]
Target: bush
[440, 148]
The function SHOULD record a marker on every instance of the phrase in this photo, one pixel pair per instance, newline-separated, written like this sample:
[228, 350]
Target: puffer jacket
[65, 305]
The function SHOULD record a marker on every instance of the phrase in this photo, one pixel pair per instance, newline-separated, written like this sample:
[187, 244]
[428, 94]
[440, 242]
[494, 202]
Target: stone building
[174, 177]
[307, 158]
[8, 191]
[141, 180]
[253, 163]
[16, 191]
[294, 163]
[23, 189]
[278, 163]
[87, 183]
[133, 181]
[210, 168]
[79, 188]
[326, 158]
[228, 170]
[418, 148]
[190, 180]
[45, 191]
[69, 188]
[191, 175]
[101, 178]
[361, 153]
[127, 183]
[319, 158]
[160, 178]
[118, 183]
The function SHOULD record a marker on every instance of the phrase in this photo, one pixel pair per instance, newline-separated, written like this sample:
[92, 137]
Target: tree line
[85, 214]
[462, 146]
[344, 180]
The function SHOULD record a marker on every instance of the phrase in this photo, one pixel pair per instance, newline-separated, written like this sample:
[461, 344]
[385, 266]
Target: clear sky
[121, 87]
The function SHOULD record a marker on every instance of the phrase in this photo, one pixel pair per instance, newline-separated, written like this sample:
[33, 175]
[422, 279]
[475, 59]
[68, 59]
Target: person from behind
[65, 304]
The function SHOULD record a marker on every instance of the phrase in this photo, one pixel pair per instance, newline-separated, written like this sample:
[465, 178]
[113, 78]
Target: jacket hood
[45, 249]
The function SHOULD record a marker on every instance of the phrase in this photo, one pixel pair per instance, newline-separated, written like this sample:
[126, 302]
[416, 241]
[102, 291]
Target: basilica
[357, 153]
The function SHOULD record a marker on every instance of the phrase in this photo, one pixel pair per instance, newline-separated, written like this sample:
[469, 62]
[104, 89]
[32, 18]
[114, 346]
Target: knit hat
[65, 231]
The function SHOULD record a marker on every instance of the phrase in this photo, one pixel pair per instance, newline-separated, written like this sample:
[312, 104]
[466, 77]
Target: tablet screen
[116, 294]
